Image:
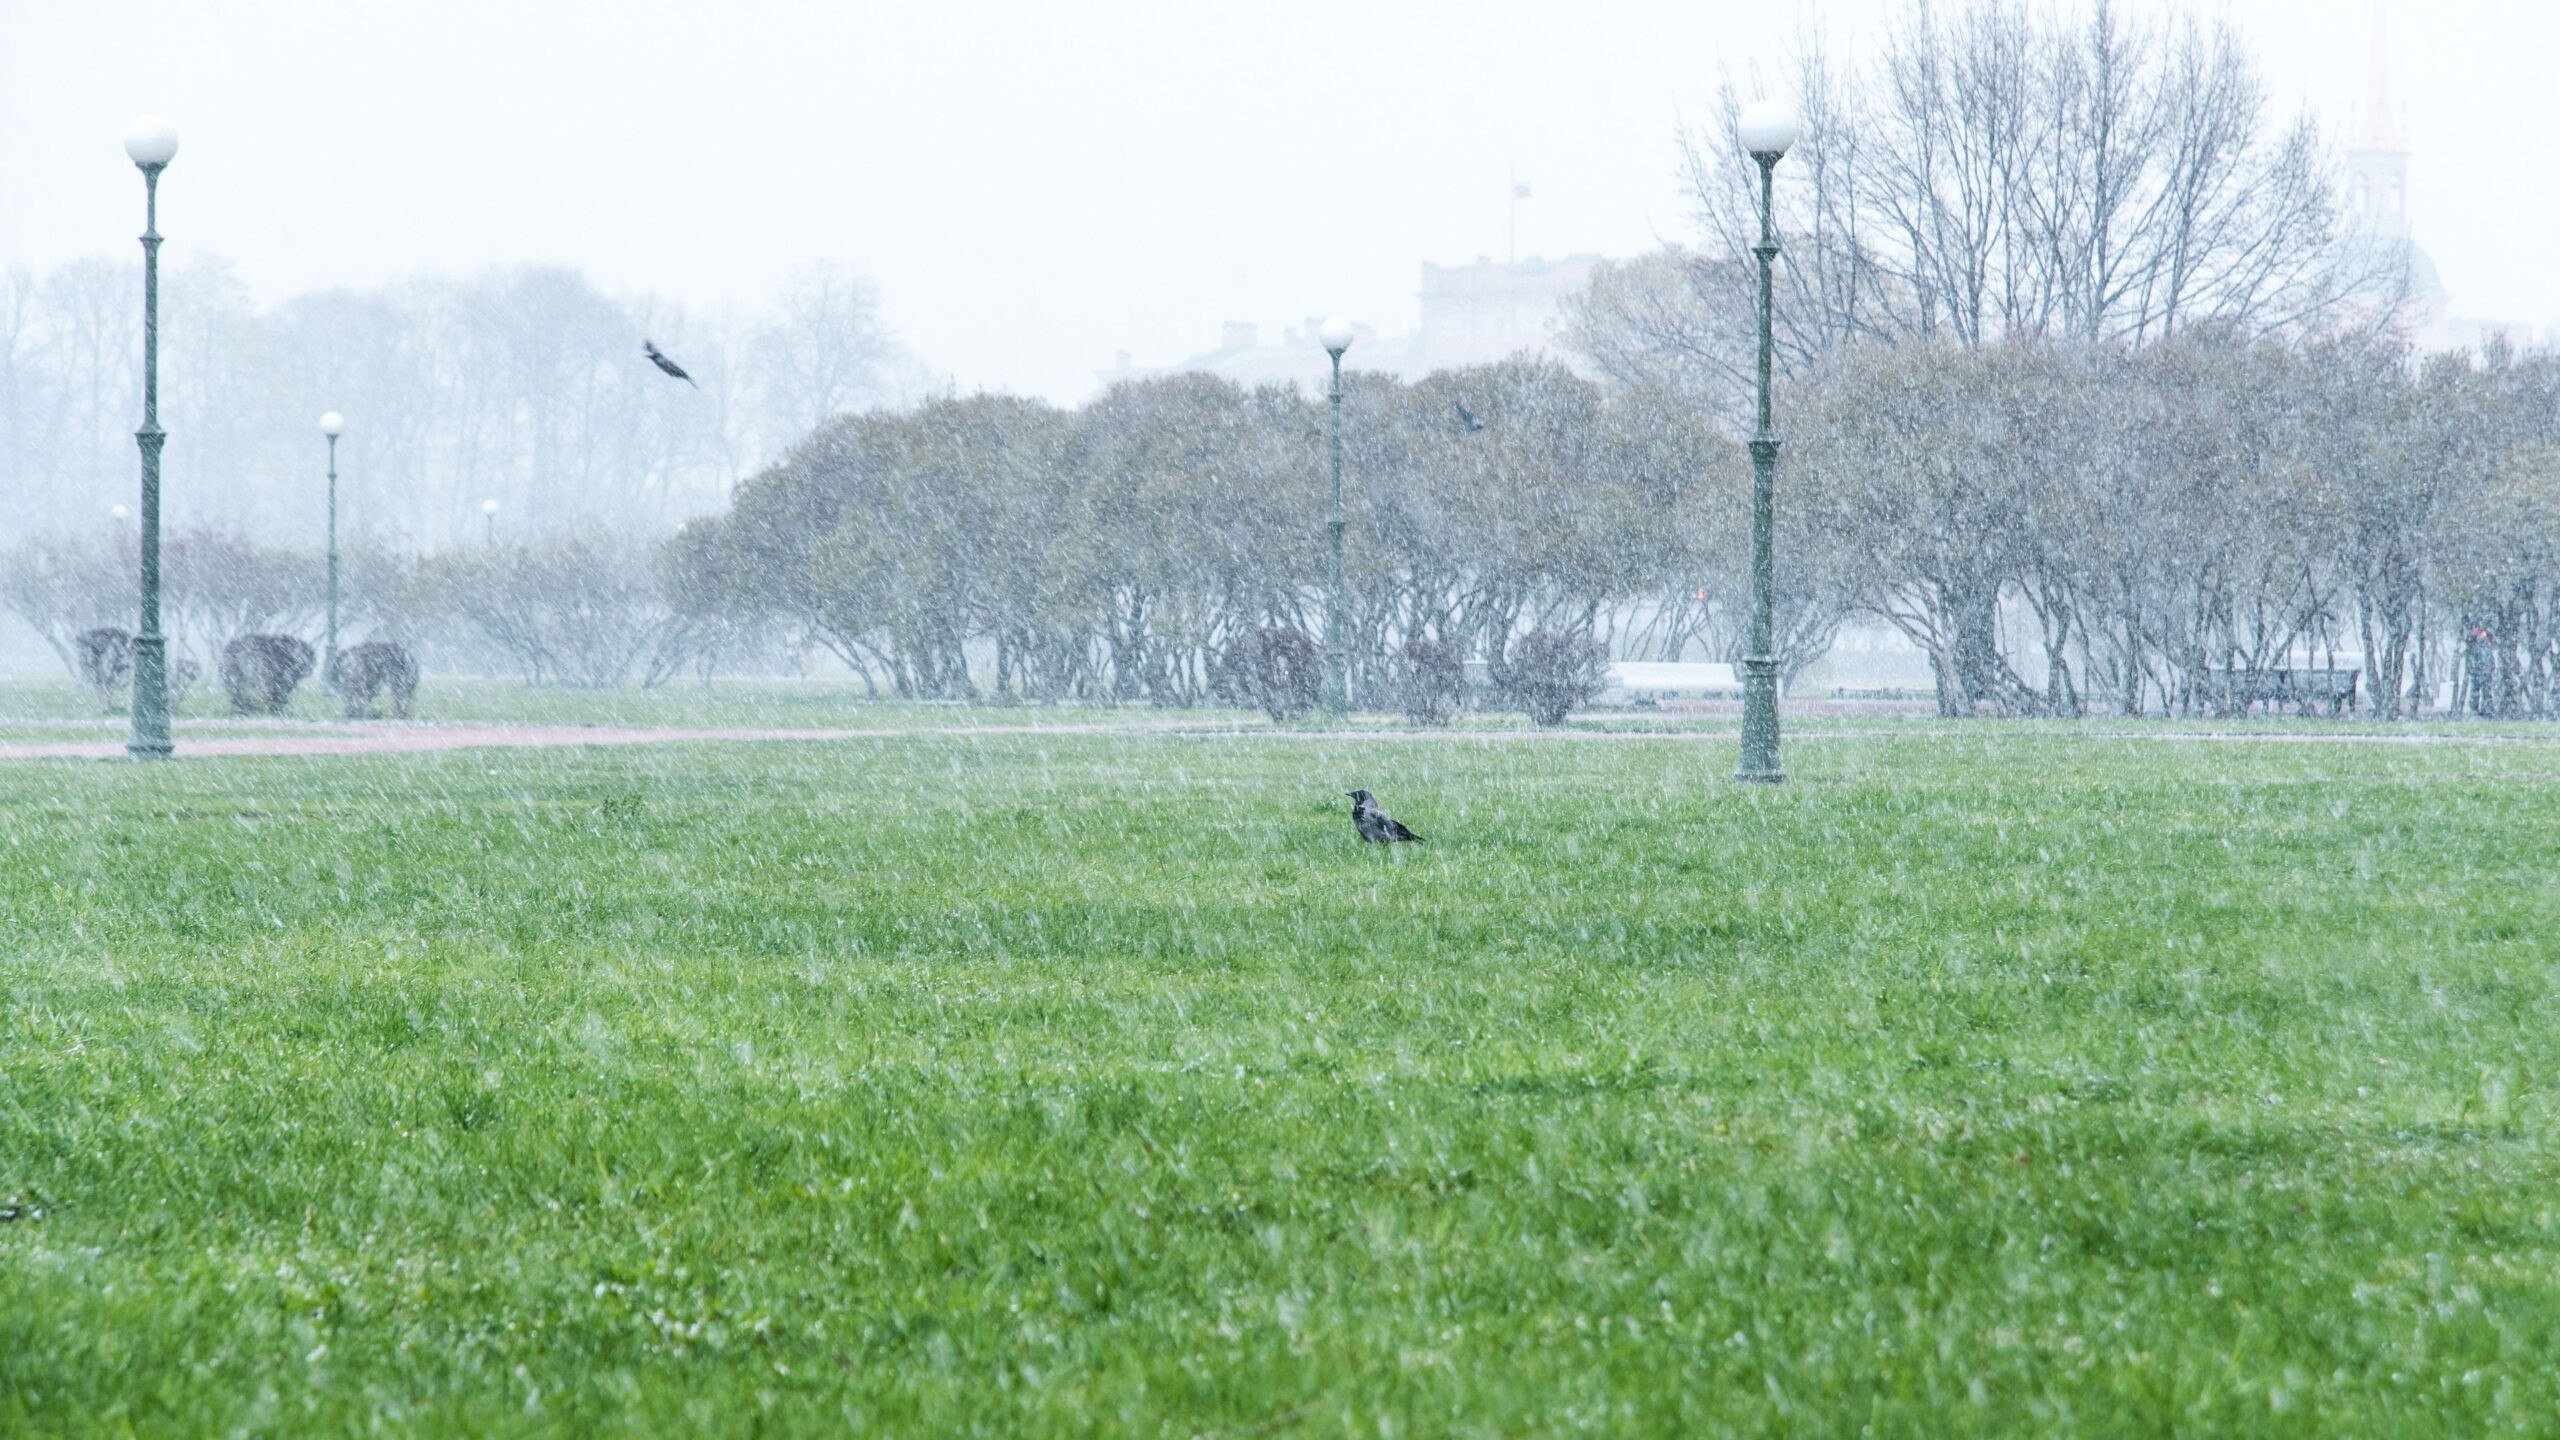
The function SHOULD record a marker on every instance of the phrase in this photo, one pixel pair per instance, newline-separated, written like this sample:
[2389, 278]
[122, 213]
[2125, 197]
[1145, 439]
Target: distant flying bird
[1375, 825]
[1468, 418]
[659, 358]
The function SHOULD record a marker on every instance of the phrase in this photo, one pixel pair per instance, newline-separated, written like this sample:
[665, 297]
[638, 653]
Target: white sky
[1037, 185]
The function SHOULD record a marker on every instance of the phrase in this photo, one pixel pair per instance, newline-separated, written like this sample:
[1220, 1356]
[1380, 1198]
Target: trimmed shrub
[259, 672]
[1275, 670]
[1431, 681]
[1553, 673]
[365, 672]
[105, 659]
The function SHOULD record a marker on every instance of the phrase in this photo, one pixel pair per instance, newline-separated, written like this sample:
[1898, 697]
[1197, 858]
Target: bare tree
[825, 351]
[1995, 170]
[62, 587]
[588, 611]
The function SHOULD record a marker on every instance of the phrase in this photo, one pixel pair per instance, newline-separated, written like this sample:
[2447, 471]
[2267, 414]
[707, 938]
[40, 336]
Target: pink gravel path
[395, 739]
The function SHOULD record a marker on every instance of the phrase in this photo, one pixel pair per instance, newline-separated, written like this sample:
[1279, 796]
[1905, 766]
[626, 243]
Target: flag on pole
[1519, 191]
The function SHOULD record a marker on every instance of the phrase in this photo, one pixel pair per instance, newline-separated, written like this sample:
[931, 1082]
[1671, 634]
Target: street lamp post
[489, 512]
[1335, 335]
[152, 143]
[332, 425]
[1766, 130]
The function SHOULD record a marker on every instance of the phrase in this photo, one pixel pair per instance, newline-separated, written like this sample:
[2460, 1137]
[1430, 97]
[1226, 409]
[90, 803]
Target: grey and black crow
[1468, 418]
[1376, 825]
[659, 358]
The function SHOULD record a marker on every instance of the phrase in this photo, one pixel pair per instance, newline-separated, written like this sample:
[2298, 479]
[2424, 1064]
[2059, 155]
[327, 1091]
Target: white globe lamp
[1767, 128]
[151, 141]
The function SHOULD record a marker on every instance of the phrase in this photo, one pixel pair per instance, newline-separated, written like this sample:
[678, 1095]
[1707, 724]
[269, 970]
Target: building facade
[1470, 315]
[2381, 236]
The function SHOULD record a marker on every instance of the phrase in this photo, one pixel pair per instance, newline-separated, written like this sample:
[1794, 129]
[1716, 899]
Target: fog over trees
[525, 385]
[2085, 394]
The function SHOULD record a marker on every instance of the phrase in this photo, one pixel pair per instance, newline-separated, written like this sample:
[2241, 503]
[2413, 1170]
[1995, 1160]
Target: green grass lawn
[1992, 1082]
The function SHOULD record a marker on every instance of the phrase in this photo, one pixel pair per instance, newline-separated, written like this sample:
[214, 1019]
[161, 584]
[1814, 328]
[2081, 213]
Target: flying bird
[659, 358]
[1468, 418]
[1375, 825]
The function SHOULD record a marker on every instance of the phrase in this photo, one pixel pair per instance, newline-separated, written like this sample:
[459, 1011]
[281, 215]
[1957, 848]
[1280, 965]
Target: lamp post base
[1760, 723]
[149, 737]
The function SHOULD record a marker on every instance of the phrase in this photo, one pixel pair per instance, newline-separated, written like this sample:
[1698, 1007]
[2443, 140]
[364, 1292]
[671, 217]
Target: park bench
[2333, 687]
[2302, 688]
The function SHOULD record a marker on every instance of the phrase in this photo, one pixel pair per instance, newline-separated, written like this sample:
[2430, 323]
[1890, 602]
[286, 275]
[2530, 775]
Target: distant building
[1477, 314]
[2379, 230]
[1471, 315]
[1295, 358]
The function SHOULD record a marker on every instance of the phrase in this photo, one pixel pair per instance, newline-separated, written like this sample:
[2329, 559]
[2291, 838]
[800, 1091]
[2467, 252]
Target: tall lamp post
[152, 143]
[1766, 130]
[1335, 335]
[332, 425]
[489, 512]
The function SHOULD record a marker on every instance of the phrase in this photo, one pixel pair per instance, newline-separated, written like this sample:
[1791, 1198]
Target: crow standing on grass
[1376, 825]
[659, 358]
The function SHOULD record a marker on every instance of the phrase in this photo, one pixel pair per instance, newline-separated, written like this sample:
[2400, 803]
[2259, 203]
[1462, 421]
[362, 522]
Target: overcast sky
[1035, 186]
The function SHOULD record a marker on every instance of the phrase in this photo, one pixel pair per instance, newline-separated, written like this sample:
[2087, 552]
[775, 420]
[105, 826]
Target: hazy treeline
[525, 385]
[2064, 527]
[1002, 547]
[2060, 526]
[2090, 394]
[590, 609]
[2084, 392]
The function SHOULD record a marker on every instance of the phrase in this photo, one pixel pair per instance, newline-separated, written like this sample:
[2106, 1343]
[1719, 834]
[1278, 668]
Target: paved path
[396, 738]
[392, 738]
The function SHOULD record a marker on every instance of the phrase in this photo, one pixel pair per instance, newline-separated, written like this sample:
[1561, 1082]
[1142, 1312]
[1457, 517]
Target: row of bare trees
[2096, 398]
[999, 546]
[587, 609]
[2064, 527]
[2058, 526]
[215, 586]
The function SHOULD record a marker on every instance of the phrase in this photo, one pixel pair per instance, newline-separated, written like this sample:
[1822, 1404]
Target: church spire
[2381, 119]
[2378, 163]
